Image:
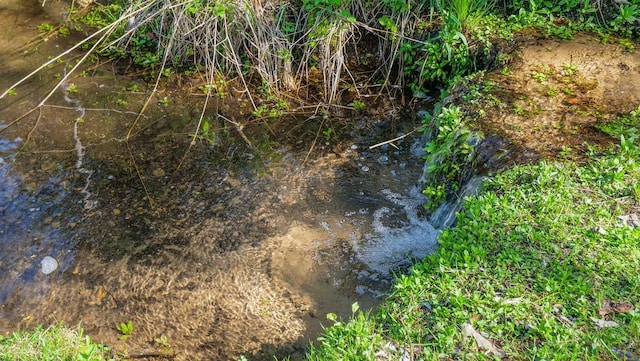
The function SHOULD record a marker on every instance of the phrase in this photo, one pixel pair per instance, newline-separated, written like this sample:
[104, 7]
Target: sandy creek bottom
[244, 252]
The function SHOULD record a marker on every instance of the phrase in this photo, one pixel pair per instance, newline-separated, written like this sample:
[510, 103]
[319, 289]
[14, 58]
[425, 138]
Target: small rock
[48, 265]
[158, 172]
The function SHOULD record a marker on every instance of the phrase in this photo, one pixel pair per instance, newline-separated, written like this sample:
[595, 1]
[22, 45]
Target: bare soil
[549, 99]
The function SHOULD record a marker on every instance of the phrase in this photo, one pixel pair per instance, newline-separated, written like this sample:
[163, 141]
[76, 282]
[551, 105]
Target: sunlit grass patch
[54, 343]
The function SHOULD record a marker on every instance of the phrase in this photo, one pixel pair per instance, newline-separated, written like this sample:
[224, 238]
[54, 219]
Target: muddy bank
[551, 98]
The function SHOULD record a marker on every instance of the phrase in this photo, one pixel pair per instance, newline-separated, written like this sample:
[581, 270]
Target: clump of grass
[467, 12]
[542, 265]
[54, 343]
[361, 334]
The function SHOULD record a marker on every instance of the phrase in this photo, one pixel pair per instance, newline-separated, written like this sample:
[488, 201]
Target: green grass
[57, 343]
[533, 264]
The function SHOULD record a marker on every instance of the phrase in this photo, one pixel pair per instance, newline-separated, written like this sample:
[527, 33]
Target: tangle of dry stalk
[271, 44]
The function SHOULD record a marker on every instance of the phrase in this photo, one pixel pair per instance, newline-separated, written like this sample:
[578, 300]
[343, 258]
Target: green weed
[358, 105]
[627, 126]
[328, 133]
[569, 69]
[447, 152]
[125, 329]
[217, 87]
[358, 339]
[53, 343]
[45, 27]
[207, 133]
[163, 341]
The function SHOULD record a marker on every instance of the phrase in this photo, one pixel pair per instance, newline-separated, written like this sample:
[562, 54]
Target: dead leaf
[513, 301]
[631, 220]
[390, 351]
[603, 323]
[482, 342]
[622, 307]
[608, 307]
[102, 291]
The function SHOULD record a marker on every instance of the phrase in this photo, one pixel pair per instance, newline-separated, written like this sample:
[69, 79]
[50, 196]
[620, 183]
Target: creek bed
[226, 250]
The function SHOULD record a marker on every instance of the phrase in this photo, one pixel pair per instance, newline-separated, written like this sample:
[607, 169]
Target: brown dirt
[556, 91]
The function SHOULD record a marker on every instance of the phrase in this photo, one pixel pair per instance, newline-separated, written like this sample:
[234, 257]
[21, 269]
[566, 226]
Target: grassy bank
[57, 342]
[543, 265]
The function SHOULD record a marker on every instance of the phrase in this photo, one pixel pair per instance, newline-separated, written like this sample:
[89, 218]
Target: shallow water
[226, 249]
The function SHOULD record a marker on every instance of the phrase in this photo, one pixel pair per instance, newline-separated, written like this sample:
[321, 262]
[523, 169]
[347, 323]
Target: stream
[225, 249]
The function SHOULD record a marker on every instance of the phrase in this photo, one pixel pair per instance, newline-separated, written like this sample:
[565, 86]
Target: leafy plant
[358, 105]
[328, 133]
[207, 133]
[569, 69]
[45, 27]
[57, 342]
[542, 74]
[357, 339]
[467, 12]
[162, 341]
[218, 87]
[72, 88]
[125, 329]
[133, 87]
[627, 125]
[552, 91]
[447, 152]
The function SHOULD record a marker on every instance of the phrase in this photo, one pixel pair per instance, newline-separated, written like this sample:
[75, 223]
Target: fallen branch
[390, 141]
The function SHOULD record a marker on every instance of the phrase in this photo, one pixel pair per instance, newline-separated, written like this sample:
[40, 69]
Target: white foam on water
[388, 247]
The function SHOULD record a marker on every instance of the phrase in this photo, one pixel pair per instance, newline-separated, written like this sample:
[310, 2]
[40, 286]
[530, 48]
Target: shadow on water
[245, 248]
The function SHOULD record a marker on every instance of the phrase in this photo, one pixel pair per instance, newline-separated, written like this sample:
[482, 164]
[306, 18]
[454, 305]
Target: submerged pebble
[48, 265]
[158, 172]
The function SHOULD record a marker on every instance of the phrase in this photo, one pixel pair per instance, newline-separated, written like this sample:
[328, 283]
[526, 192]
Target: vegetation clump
[57, 342]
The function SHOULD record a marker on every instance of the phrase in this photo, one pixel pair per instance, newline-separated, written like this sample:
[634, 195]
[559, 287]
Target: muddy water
[225, 249]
